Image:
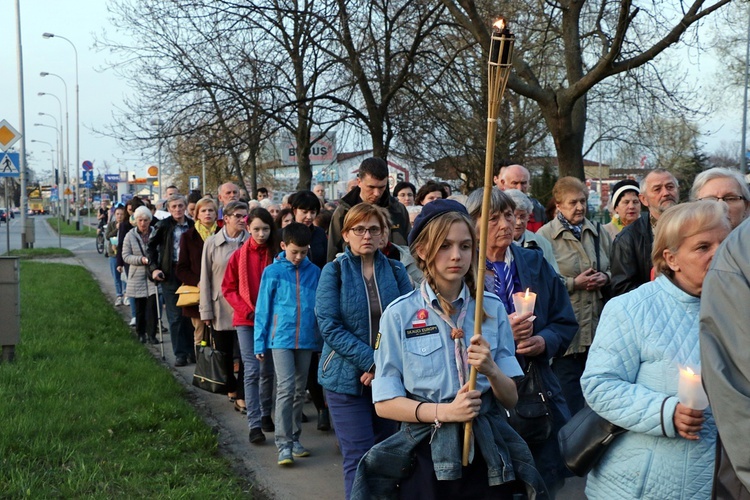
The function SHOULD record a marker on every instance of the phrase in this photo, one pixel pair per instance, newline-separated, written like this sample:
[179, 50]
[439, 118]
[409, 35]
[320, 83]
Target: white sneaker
[132, 321]
[126, 301]
[118, 301]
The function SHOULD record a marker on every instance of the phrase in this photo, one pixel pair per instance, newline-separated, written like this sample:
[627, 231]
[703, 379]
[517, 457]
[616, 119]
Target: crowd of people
[368, 304]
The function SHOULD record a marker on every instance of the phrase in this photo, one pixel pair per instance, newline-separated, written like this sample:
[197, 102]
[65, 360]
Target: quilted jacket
[631, 377]
[343, 311]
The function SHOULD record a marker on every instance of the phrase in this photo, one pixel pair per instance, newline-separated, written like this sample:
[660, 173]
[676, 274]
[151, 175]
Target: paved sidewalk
[318, 476]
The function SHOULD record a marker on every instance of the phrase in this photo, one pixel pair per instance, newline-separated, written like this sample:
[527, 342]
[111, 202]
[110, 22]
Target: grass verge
[70, 229]
[41, 253]
[88, 412]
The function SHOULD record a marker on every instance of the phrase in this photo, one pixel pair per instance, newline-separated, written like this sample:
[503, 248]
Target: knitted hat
[431, 211]
[623, 187]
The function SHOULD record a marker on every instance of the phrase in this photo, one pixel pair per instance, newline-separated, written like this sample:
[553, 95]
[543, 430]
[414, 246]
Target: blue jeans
[119, 289]
[358, 428]
[258, 378]
[291, 366]
[180, 327]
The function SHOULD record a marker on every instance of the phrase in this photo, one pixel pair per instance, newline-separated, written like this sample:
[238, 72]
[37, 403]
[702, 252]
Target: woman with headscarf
[625, 206]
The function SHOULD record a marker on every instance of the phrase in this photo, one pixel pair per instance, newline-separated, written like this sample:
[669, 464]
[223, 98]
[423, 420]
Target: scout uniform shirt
[414, 352]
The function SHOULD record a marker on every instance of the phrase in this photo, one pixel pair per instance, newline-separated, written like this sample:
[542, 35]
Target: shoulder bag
[210, 367]
[531, 417]
[188, 296]
[584, 439]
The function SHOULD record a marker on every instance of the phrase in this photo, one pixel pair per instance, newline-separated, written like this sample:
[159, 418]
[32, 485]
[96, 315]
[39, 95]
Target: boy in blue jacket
[285, 322]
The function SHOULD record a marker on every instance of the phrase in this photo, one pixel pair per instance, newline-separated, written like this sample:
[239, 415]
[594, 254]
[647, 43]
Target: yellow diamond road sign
[8, 135]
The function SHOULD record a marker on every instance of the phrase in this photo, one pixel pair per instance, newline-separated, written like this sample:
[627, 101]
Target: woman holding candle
[582, 253]
[541, 337]
[633, 372]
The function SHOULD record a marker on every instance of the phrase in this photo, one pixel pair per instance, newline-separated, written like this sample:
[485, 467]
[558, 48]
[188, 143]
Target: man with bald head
[518, 177]
[227, 192]
[320, 192]
[631, 251]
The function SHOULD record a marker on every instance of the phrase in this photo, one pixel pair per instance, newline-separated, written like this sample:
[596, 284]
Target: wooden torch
[498, 71]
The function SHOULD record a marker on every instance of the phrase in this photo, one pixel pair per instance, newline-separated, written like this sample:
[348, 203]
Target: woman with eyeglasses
[728, 186]
[214, 308]
[353, 291]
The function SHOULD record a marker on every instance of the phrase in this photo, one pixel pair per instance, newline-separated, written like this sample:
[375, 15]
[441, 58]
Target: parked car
[4, 215]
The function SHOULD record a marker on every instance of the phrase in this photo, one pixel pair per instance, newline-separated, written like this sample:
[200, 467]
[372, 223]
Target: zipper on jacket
[273, 332]
[299, 311]
[328, 360]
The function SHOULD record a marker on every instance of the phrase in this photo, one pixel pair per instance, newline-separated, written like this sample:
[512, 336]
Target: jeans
[180, 327]
[258, 378]
[291, 366]
[569, 370]
[119, 289]
[358, 428]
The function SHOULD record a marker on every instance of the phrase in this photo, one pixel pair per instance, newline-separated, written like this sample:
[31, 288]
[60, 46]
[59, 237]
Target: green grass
[41, 253]
[86, 411]
[70, 229]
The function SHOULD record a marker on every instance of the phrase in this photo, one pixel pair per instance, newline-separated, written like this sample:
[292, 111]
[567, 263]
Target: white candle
[524, 302]
[690, 390]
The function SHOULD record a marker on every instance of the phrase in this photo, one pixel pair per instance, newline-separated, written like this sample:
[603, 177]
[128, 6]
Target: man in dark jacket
[631, 251]
[163, 252]
[372, 187]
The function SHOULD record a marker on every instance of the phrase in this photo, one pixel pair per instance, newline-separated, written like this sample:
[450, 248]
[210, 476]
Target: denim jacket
[507, 455]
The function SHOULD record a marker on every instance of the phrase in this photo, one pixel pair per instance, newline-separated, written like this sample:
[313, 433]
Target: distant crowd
[367, 305]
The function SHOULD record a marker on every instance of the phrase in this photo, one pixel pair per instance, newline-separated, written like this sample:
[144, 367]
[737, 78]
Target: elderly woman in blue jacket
[632, 373]
[353, 292]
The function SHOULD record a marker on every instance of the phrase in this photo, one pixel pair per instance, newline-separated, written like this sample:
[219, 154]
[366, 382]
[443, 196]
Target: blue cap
[432, 210]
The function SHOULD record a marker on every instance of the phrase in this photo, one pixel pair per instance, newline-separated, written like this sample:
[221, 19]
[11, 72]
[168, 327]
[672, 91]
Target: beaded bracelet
[438, 423]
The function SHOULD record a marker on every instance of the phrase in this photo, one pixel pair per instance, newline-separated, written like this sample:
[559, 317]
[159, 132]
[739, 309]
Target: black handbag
[584, 439]
[210, 368]
[531, 417]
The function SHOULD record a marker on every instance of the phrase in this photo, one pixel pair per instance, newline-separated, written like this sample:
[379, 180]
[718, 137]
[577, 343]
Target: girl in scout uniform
[423, 354]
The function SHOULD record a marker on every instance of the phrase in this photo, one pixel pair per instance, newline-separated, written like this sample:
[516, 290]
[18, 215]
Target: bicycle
[100, 239]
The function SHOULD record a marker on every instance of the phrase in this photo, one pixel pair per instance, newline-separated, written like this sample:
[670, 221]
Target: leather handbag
[531, 417]
[188, 296]
[210, 367]
[584, 439]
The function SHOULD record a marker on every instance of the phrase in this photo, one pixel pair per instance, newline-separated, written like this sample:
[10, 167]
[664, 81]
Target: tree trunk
[567, 125]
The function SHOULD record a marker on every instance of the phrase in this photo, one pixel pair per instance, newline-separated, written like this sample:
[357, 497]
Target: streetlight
[78, 125]
[158, 123]
[66, 177]
[57, 140]
[58, 171]
[59, 105]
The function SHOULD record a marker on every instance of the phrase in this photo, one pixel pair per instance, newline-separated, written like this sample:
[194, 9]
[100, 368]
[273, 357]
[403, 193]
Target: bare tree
[568, 47]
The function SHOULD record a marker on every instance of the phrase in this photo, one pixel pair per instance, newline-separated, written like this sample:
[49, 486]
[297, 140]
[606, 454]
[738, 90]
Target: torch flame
[499, 25]
[527, 293]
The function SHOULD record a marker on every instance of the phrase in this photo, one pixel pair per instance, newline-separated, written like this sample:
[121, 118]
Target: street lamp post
[58, 172]
[159, 124]
[78, 125]
[59, 105]
[66, 177]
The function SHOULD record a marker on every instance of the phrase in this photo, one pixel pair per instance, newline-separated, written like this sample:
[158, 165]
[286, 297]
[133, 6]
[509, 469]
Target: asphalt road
[318, 476]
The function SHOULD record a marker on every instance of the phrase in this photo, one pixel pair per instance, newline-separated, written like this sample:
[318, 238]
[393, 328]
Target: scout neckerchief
[457, 333]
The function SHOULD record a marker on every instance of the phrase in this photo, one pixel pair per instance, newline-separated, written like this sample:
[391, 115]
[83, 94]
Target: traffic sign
[193, 183]
[8, 135]
[9, 163]
[153, 171]
[53, 194]
[87, 166]
[68, 191]
[88, 178]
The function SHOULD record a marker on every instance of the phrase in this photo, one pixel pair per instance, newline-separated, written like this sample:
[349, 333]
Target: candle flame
[689, 371]
[499, 25]
[527, 293]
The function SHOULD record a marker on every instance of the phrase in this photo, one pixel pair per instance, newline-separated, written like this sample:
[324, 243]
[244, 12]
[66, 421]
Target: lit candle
[524, 302]
[690, 390]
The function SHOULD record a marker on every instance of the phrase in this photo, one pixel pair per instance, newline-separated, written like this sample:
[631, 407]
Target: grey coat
[213, 306]
[139, 286]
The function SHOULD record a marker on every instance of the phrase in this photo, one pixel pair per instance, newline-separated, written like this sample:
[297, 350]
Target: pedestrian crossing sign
[9, 165]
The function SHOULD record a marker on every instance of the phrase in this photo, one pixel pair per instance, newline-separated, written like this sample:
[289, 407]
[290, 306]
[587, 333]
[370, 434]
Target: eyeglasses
[236, 216]
[361, 230]
[725, 199]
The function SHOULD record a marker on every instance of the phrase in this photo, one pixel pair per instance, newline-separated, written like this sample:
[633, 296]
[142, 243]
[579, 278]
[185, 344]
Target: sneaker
[132, 321]
[126, 301]
[257, 437]
[299, 451]
[285, 457]
[118, 301]
[267, 424]
[180, 361]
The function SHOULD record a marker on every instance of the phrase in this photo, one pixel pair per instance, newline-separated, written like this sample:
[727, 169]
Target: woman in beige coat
[582, 252]
[140, 289]
[214, 309]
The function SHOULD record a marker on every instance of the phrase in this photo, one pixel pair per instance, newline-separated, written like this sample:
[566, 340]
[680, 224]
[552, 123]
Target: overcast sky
[101, 91]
